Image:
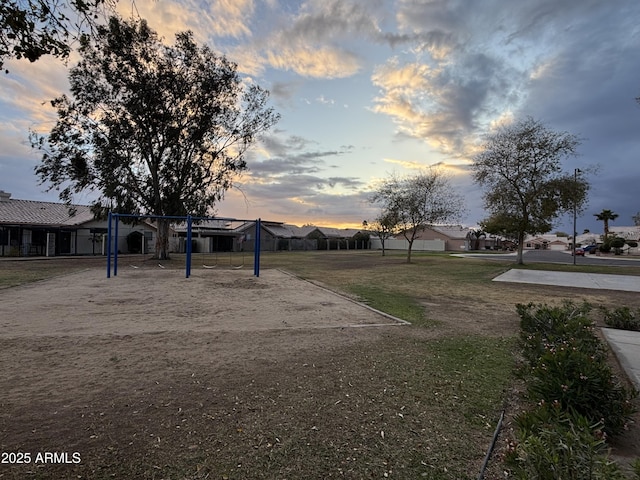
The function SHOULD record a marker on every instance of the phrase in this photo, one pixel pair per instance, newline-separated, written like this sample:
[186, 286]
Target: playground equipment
[112, 232]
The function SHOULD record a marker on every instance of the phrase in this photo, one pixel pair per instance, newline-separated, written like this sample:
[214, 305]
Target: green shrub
[555, 444]
[544, 327]
[579, 381]
[617, 242]
[636, 467]
[567, 365]
[622, 317]
[605, 247]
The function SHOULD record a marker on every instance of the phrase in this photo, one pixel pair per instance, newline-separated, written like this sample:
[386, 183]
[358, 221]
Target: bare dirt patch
[134, 302]
[151, 375]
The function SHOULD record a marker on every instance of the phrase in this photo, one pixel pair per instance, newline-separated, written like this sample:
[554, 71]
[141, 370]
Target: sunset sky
[367, 88]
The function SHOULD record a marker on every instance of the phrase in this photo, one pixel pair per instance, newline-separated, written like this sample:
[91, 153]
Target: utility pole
[575, 212]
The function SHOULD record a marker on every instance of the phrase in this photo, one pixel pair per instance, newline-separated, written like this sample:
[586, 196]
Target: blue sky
[367, 88]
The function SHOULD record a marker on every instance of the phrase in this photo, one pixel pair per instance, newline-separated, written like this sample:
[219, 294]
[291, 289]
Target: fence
[418, 245]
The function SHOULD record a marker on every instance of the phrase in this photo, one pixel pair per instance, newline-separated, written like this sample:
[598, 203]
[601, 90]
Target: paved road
[551, 256]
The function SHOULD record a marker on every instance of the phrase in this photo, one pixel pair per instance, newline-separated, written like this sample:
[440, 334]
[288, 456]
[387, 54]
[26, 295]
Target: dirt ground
[99, 370]
[137, 302]
[116, 378]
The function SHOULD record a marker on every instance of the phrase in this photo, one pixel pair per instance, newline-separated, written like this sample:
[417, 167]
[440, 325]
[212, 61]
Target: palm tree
[605, 216]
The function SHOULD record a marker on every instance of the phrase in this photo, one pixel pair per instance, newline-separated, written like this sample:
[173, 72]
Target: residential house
[449, 238]
[628, 233]
[546, 242]
[45, 228]
[230, 235]
[34, 228]
[340, 238]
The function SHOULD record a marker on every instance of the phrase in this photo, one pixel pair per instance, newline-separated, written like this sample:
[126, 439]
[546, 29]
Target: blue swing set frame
[112, 231]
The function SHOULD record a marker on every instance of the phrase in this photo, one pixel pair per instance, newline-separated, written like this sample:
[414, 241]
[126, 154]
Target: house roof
[630, 233]
[36, 213]
[451, 231]
[547, 238]
[30, 212]
[284, 230]
[329, 232]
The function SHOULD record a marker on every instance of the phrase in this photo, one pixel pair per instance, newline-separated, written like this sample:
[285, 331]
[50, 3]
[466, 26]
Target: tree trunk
[409, 251]
[519, 260]
[162, 240]
[382, 241]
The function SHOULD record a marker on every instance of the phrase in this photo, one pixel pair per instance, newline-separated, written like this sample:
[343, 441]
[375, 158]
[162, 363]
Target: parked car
[579, 252]
[590, 248]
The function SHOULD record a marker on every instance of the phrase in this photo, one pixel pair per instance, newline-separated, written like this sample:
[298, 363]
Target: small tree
[384, 226]
[418, 201]
[525, 188]
[617, 243]
[154, 129]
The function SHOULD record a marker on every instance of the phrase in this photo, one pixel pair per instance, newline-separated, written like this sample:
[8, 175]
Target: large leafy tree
[30, 29]
[525, 188]
[606, 216]
[154, 129]
[415, 202]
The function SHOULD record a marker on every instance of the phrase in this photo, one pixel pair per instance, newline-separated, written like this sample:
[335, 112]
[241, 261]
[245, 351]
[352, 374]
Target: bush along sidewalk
[622, 317]
[577, 402]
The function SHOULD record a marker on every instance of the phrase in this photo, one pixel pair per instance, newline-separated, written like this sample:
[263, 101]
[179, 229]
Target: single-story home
[453, 238]
[231, 235]
[628, 233]
[339, 238]
[34, 228]
[547, 242]
[38, 228]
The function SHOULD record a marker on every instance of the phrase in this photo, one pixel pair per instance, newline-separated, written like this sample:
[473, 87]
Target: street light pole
[575, 208]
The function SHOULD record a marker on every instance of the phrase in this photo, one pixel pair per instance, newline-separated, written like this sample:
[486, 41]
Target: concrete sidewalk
[626, 283]
[624, 343]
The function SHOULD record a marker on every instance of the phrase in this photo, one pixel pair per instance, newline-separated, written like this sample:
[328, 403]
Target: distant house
[230, 235]
[546, 242]
[278, 236]
[208, 236]
[628, 233]
[33, 228]
[455, 237]
[339, 238]
[44, 228]
[450, 238]
[585, 239]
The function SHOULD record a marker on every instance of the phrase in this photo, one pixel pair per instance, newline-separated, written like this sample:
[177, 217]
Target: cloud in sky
[423, 82]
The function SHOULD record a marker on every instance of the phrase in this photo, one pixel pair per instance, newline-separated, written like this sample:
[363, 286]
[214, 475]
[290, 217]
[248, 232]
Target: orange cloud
[321, 62]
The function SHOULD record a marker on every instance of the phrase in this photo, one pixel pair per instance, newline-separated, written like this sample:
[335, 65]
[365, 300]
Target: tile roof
[329, 232]
[630, 233]
[452, 231]
[30, 212]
